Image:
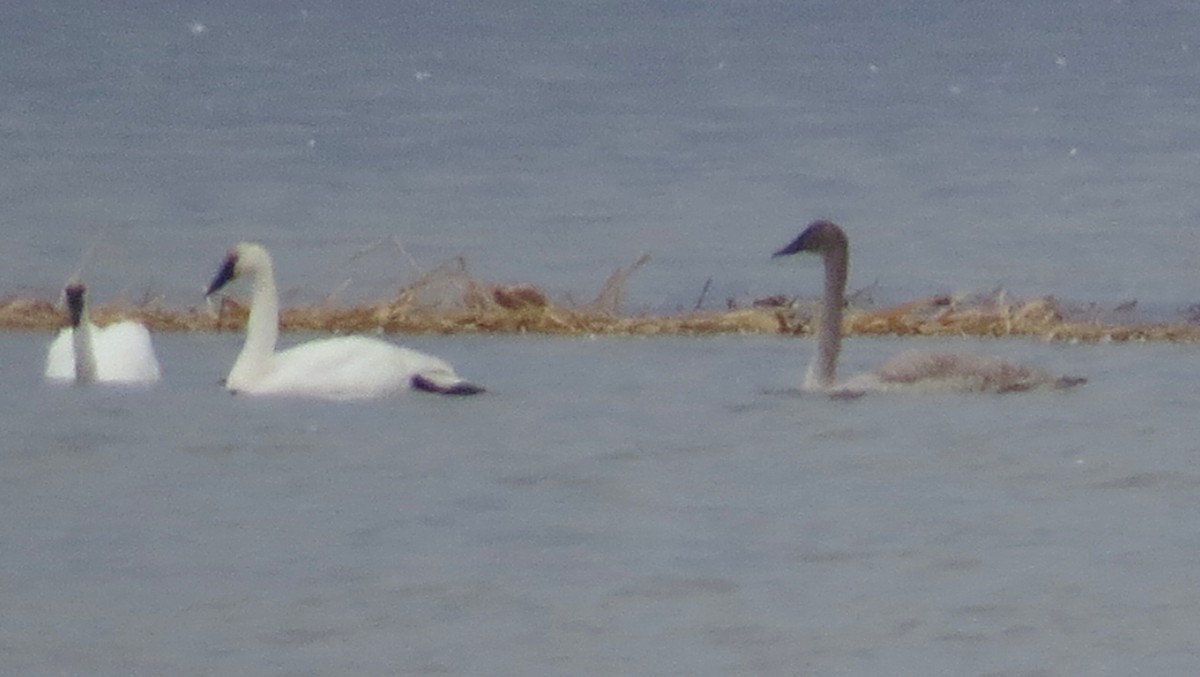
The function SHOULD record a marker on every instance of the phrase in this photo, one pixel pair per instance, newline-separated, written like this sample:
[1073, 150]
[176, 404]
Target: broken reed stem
[703, 293]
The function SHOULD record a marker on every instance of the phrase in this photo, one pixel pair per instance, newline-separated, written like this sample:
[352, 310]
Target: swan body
[84, 353]
[944, 372]
[346, 367]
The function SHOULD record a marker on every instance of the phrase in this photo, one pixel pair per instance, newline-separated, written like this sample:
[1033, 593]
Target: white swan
[947, 372]
[348, 367]
[84, 353]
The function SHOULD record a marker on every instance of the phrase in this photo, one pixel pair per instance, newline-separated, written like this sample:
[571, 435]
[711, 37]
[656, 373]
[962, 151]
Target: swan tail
[428, 385]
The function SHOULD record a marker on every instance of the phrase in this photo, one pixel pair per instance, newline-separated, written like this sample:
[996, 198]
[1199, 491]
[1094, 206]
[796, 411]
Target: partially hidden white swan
[346, 367]
[945, 372]
[84, 353]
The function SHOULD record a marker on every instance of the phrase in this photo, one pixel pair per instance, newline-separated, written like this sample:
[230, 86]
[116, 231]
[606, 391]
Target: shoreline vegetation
[448, 300]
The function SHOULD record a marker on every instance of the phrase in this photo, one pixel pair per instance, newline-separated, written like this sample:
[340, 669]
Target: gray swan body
[946, 372]
[344, 367]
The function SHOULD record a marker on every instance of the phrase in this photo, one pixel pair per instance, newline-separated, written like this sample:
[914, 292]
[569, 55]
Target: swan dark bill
[345, 367]
[946, 372]
[225, 274]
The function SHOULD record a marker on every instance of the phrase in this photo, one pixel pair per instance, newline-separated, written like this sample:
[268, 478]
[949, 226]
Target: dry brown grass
[449, 300]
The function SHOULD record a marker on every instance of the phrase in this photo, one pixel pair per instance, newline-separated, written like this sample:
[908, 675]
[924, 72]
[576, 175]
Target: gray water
[615, 506]
[1045, 148]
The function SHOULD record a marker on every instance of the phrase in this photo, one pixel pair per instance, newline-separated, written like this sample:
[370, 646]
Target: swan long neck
[85, 354]
[262, 326]
[822, 372]
[81, 333]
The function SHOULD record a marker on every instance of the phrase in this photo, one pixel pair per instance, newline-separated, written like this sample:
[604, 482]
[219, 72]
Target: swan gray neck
[822, 371]
[81, 335]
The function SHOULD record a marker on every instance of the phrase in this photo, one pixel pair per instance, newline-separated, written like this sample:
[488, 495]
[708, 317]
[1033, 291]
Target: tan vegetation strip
[449, 300]
[515, 309]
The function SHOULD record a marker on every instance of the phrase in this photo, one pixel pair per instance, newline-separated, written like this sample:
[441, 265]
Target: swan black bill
[227, 272]
[74, 294]
[427, 385]
[794, 247]
[816, 234]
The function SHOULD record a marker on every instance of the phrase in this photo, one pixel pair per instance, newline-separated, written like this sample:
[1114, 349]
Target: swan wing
[60, 357]
[125, 353]
[349, 367]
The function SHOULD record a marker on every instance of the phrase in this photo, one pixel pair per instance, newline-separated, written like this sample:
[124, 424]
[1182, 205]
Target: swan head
[75, 293]
[244, 258]
[820, 236]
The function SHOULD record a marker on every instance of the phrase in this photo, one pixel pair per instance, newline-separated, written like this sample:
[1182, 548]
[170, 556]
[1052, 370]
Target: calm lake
[611, 506]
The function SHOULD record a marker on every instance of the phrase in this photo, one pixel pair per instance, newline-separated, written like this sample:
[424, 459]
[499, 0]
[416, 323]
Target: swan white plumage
[84, 353]
[346, 367]
[947, 372]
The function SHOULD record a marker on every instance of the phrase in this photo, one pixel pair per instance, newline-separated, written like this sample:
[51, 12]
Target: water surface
[642, 506]
[1041, 148]
[616, 506]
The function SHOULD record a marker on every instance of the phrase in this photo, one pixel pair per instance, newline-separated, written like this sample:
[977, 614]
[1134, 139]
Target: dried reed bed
[449, 300]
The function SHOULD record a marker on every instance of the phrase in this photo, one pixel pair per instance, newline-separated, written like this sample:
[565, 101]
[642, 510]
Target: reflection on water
[677, 508]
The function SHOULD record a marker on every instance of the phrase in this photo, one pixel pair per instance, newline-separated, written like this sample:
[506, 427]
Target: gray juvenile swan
[344, 367]
[84, 353]
[947, 372]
